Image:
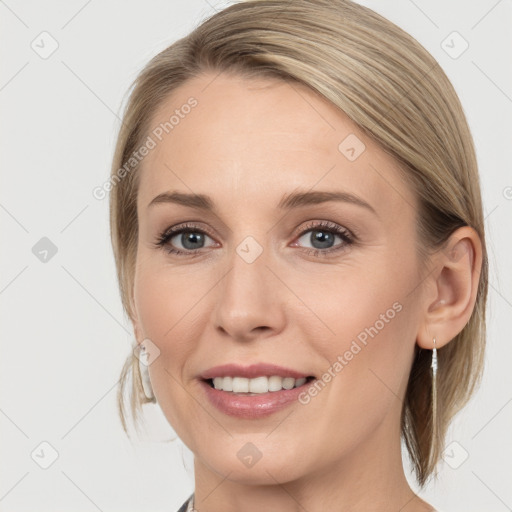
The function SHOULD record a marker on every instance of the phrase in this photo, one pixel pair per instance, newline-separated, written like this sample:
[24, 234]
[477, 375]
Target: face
[299, 263]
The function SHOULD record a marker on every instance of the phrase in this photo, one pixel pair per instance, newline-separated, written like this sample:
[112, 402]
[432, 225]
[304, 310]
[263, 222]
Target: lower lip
[252, 406]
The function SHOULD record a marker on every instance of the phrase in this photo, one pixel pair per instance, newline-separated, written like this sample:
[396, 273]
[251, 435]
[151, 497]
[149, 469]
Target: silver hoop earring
[144, 374]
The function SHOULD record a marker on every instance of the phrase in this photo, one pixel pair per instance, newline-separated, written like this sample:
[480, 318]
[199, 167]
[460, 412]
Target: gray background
[64, 335]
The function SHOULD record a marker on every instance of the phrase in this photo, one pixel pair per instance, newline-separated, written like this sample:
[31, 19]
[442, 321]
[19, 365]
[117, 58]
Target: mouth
[254, 398]
[254, 391]
[260, 385]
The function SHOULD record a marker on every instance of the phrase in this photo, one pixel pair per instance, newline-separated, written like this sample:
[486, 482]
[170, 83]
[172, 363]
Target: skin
[246, 144]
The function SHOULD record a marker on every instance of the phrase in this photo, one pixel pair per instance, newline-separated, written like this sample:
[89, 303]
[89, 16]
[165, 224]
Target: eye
[322, 236]
[189, 236]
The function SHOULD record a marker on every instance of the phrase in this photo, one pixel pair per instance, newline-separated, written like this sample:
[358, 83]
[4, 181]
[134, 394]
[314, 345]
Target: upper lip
[251, 371]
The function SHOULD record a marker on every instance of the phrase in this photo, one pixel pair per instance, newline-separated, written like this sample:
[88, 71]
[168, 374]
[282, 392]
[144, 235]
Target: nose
[249, 301]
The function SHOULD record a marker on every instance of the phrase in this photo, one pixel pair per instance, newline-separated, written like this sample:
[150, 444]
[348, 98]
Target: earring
[144, 374]
[434, 390]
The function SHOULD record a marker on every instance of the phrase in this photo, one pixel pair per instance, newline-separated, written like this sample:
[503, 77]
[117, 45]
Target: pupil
[325, 238]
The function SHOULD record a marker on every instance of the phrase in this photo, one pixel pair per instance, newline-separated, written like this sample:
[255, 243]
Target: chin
[263, 472]
[250, 459]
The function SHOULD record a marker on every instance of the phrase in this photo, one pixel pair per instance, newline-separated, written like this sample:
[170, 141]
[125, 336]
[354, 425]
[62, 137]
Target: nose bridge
[248, 299]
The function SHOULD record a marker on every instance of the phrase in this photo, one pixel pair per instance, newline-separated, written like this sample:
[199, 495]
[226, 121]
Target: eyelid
[326, 224]
[187, 226]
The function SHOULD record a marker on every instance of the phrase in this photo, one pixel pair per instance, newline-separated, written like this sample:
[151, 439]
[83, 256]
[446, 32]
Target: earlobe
[454, 282]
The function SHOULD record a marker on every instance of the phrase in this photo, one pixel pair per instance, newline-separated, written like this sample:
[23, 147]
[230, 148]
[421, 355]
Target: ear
[451, 289]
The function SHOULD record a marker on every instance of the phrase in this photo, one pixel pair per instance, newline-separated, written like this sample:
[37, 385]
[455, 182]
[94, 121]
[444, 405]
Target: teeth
[227, 383]
[240, 385]
[275, 383]
[288, 383]
[257, 385]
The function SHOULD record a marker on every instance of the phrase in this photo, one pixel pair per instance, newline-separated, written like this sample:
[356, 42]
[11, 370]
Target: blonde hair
[390, 86]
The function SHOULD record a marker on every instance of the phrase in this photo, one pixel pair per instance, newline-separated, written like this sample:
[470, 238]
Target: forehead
[248, 142]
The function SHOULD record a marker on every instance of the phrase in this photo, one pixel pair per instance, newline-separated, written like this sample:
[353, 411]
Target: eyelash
[325, 226]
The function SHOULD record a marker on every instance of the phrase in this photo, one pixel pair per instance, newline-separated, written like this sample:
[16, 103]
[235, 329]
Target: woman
[298, 232]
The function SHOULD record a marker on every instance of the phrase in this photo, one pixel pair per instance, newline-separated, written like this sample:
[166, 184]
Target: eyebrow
[288, 202]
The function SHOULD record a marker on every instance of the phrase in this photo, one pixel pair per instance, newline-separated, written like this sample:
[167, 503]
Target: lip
[251, 371]
[255, 406]
[252, 406]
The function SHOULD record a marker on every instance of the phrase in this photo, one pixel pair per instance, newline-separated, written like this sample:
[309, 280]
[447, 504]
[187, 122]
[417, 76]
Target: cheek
[366, 374]
[162, 313]
[152, 300]
[372, 319]
[164, 301]
[164, 308]
[362, 306]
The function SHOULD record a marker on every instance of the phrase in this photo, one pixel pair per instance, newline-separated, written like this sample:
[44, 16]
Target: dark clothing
[183, 507]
